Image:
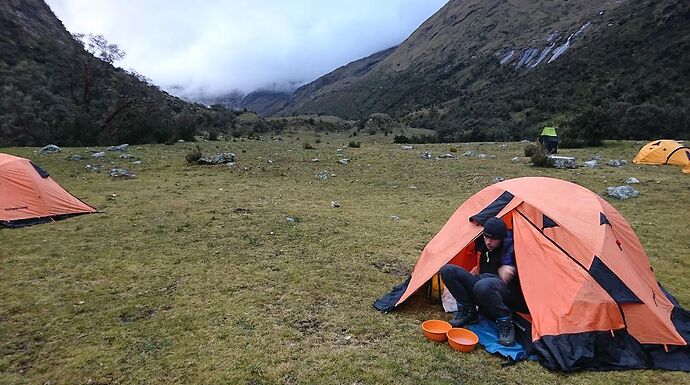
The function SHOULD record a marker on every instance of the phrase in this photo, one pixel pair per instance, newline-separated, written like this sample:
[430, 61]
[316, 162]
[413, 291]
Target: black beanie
[495, 228]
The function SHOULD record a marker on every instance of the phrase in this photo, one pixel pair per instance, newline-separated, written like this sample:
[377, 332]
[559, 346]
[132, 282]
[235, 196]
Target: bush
[453, 149]
[354, 144]
[194, 155]
[540, 158]
[531, 148]
[307, 146]
[401, 139]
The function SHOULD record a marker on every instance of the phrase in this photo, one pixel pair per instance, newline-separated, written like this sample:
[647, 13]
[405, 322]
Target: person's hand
[506, 272]
[475, 270]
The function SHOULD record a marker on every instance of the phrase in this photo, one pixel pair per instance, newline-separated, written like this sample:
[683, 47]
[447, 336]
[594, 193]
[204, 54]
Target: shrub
[453, 149]
[530, 149]
[194, 155]
[540, 158]
[401, 139]
[307, 146]
[354, 144]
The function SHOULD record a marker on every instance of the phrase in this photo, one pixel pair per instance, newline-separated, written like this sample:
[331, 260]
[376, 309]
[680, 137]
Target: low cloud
[215, 47]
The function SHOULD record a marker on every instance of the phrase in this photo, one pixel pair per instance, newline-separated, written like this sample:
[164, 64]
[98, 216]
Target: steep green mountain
[63, 89]
[479, 70]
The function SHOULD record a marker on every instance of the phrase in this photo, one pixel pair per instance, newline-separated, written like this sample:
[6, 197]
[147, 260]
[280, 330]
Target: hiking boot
[466, 314]
[506, 331]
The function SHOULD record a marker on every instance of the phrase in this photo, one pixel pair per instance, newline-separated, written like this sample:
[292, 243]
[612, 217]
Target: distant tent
[593, 299]
[29, 196]
[549, 139]
[665, 151]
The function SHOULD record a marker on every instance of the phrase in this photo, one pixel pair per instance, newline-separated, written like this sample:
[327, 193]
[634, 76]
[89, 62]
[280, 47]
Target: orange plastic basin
[435, 330]
[462, 339]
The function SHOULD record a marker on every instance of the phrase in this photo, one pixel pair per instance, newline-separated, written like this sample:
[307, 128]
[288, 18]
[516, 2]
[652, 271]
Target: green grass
[192, 274]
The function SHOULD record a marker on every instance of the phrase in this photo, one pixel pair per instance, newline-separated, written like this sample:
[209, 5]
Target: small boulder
[590, 163]
[75, 157]
[221, 158]
[120, 148]
[468, 153]
[622, 192]
[344, 161]
[335, 204]
[446, 156]
[99, 154]
[563, 161]
[407, 147]
[425, 155]
[617, 162]
[50, 149]
[121, 173]
[632, 180]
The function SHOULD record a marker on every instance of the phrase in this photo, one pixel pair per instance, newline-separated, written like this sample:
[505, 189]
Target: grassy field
[195, 275]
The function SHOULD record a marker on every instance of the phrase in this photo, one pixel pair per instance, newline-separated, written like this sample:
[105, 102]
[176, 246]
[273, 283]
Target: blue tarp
[488, 337]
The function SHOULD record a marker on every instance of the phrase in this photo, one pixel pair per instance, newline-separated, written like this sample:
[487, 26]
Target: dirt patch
[308, 326]
[392, 268]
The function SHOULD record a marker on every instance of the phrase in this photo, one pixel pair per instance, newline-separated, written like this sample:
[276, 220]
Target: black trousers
[487, 291]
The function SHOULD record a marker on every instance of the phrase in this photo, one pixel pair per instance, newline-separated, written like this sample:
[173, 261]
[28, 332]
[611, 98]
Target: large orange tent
[28, 195]
[664, 151]
[593, 299]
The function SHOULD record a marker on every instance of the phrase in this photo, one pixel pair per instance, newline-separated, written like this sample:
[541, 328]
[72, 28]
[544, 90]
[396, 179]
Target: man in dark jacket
[490, 285]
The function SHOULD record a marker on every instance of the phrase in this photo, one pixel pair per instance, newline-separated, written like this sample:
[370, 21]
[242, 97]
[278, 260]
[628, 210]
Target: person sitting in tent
[491, 284]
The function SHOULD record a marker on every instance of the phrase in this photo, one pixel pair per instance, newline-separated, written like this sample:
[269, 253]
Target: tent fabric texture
[549, 139]
[594, 302]
[28, 195]
[665, 151]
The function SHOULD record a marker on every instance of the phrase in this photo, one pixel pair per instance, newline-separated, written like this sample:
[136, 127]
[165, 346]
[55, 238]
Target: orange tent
[29, 196]
[664, 152]
[592, 296]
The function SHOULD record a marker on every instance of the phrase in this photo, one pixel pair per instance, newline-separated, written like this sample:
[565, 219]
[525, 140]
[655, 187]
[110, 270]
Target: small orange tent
[664, 151]
[29, 196]
[593, 299]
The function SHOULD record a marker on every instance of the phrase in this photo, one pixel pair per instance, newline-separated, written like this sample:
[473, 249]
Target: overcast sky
[223, 45]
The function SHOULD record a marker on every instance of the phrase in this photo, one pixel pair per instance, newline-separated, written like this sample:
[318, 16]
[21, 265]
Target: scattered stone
[316, 160]
[137, 162]
[503, 146]
[498, 179]
[395, 218]
[482, 156]
[120, 148]
[121, 173]
[93, 168]
[50, 149]
[291, 220]
[323, 175]
[407, 147]
[617, 162]
[344, 161]
[622, 192]
[335, 204]
[100, 154]
[468, 153]
[632, 180]
[597, 157]
[515, 159]
[75, 157]
[126, 156]
[446, 156]
[222, 158]
[412, 187]
[590, 163]
[180, 141]
[563, 161]
[426, 155]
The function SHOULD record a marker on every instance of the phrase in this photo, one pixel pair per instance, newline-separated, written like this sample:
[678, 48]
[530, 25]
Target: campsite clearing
[195, 274]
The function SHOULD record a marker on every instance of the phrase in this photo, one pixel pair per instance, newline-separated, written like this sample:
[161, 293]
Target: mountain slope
[502, 68]
[55, 90]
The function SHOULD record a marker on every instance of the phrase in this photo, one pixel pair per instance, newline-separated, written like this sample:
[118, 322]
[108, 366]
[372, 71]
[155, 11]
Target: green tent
[549, 131]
